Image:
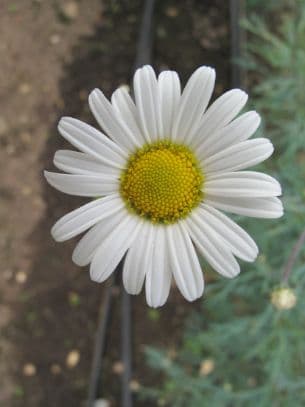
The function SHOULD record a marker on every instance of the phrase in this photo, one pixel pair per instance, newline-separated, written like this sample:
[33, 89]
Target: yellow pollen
[162, 182]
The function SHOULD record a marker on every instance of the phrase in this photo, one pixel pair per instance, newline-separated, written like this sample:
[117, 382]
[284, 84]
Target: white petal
[253, 207]
[83, 185]
[238, 241]
[74, 162]
[125, 108]
[86, 216]
[242, 184]
[148, 102]
[184, 262]
[220, 113]
[214, 250]
[237, 131]
[167, 279]
[110, 122]
[138, 259]
[169, 89]
[91, 141]
[194, 100]
[112, 249]
[239, 156]
[87, 246]
[158, 276]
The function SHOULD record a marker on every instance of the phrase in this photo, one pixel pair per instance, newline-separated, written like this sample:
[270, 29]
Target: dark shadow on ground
[49, 322]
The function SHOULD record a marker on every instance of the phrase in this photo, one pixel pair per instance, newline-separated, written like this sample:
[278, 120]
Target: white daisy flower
[161, 177]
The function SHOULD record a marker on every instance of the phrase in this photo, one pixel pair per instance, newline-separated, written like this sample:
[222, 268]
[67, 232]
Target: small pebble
[207, 366]
[29, 369]
[70, 10]
[21, 277]
[134, 385]
[172, 12]
[55, 369]
[72, 358]
[24, 88]
[118, 367]
[54, 39]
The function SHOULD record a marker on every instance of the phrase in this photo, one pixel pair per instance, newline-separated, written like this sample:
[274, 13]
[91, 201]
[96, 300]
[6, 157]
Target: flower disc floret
[162, 182]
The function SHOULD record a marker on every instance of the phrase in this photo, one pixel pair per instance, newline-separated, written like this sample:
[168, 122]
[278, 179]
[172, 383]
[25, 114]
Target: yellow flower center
[162, 182]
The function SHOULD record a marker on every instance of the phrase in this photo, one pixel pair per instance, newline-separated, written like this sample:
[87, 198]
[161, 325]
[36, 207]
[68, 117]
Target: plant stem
[293, 257]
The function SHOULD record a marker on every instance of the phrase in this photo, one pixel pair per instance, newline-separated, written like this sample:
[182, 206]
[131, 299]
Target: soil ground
[53, 53]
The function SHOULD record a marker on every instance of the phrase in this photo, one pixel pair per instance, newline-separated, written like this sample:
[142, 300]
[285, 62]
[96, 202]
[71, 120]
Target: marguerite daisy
[161, 176]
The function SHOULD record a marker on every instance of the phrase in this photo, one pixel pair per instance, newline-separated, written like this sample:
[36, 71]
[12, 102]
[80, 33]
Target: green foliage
[256, 346]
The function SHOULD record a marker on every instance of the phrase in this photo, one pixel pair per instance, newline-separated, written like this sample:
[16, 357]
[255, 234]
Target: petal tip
[47, 175]
[93, 276]
[280, 211]
[80, 263]
[239, 92]
[56, 236]
[94, 94]
[64, 122]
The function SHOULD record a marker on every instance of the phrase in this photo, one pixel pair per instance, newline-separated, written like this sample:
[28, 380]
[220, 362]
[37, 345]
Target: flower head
[283, 298]
[166, 167]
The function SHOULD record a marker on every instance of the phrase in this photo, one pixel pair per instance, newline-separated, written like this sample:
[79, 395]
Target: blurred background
[243, 344]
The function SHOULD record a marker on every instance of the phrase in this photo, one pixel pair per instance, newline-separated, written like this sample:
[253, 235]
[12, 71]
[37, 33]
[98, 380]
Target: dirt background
[53, 53]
